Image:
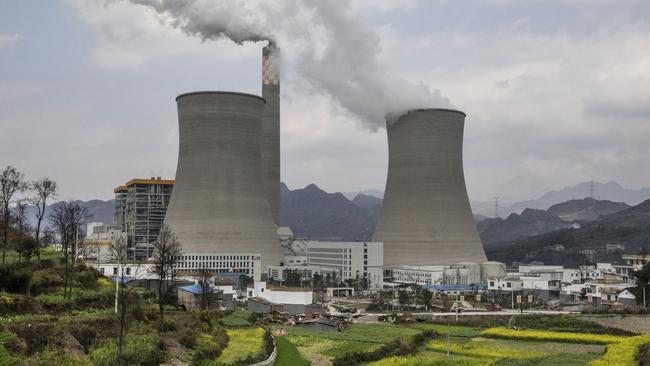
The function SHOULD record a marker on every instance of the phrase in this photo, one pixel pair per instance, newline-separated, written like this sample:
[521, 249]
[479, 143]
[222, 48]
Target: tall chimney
[271, 127]
[426, 218]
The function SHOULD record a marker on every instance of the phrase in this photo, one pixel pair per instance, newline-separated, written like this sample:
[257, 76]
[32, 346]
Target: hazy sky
[556, 93]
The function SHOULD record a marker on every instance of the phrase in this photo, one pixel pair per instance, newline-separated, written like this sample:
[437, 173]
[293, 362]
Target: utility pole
[496, 206]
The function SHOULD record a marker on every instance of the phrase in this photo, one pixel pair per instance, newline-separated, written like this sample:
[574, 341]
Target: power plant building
[140, 207]
[426, 218]
[219, 205]
[342, 261]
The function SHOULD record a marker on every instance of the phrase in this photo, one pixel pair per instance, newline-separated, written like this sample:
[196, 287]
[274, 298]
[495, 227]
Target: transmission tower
[496, 207]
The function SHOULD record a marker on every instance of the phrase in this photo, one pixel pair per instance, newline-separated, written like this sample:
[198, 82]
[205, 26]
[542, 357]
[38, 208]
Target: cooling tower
[426, 218]
[219, 203]
[271, 127]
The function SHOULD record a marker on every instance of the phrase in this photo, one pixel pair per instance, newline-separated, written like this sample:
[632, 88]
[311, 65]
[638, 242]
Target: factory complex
[224, 208]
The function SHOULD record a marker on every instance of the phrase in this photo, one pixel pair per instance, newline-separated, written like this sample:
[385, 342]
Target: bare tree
[207, 291]
[44, 189]
[68, 219]
[23, 245]
[119, 255]
[11, 182]
[166, 254]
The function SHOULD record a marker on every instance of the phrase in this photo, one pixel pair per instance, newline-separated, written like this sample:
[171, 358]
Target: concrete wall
[219, 204]
[426, 218]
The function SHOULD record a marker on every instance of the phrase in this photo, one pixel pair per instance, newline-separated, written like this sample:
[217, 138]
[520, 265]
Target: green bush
[188, 338]
[55, 302]
[53, 357]
[144, 348]
[14, 279]
[87, 279]
[210, 345]
[168, 325]
[13, 304]
[44, 280]
[105, 354]
[399, 347]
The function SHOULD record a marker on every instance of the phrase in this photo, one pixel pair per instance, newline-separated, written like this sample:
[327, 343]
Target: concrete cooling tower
[271, 127]
[219, 203]
[426, 217]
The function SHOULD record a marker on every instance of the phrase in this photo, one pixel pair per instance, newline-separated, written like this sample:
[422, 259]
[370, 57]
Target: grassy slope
[288, 354]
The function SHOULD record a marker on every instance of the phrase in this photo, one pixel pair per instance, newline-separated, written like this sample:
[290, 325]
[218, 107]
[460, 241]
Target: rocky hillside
[101, 211]
[531, 222]
[587, 209]
[630, 227]
[313, 213]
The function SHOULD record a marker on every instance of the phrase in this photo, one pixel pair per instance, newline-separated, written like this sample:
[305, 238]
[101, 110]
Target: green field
[456, 345]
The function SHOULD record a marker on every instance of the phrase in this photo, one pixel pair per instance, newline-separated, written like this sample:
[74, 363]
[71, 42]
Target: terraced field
[463, 345]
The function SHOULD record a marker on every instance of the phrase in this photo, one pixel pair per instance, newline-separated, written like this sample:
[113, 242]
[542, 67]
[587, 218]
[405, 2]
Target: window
[102, 270]
[491, 283]
[114, 270]
[128, 271]
[508, 285]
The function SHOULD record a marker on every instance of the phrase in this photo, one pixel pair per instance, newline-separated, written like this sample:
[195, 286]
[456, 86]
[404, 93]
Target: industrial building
[464, 273]
[219, 205]
[140, 207]
[242, 263]
[341, 260]
[426, 217]
[99, 236]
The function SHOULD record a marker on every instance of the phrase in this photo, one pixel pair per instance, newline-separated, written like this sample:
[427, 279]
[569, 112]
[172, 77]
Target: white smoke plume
[330, 48]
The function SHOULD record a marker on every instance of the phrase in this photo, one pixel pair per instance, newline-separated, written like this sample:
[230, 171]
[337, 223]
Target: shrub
[43, 280]
[188, 338]
[55, 302]
[36, 335]
[52, 357]
[138, 313]
[400, 346]
[624, 353]
[143, 347]
[208, 347]
[105, 354]
[16, 280]
[543, 335]
[5, 358]
[168, 325]
[84, 334]
[87, 279]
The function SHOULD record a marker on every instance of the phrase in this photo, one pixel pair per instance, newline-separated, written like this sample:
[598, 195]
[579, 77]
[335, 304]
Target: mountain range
[313, 213]
[580, 244]
[610, 191]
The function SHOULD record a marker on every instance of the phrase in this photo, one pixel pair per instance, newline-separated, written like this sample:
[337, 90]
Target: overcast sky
[556, 93]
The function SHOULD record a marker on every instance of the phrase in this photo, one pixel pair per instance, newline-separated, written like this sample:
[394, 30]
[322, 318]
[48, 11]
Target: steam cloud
[336, 53]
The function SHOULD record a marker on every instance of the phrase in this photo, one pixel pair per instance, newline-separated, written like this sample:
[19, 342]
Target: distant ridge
[610, 191]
